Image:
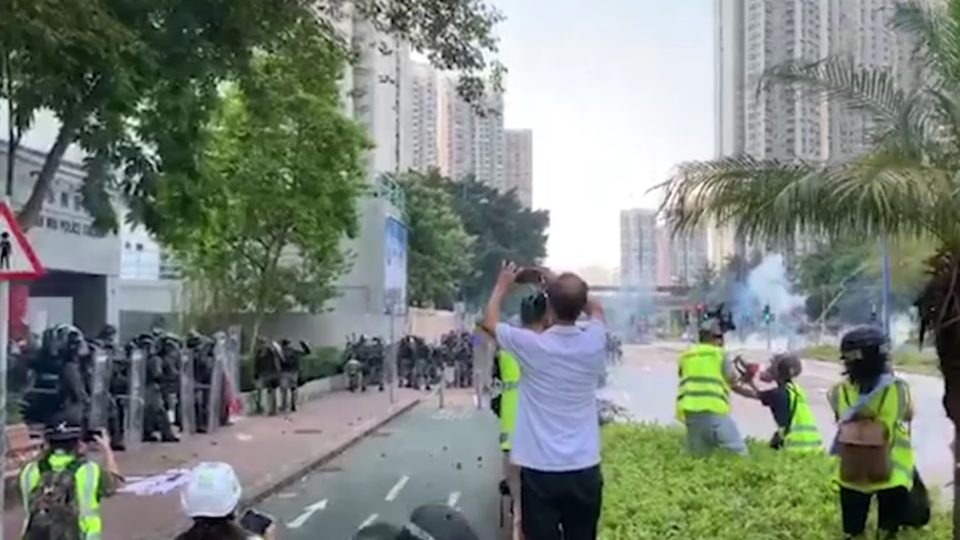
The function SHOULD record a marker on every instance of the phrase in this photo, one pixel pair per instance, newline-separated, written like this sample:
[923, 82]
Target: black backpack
[54, 511]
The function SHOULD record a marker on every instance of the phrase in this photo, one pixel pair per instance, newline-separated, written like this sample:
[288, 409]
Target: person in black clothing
[290, 373]
[782, 370]
[266, 374]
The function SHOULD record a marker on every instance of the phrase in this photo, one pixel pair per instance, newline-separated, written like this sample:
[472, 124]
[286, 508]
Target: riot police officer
[118, 385]
[155, 418]
[290, 373]
[266, 373]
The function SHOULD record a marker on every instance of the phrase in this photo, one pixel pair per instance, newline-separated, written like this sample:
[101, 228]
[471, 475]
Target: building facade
[424, 98]
[785, 123]
[456, 132]
[638, 247]
[518, 164]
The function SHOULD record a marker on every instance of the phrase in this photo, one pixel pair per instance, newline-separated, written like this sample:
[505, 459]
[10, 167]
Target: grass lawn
[905, 358]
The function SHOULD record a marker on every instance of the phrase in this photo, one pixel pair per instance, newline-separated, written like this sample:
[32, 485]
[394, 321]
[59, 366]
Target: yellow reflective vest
[703, 386]
[87, 482]
[509, 397]
[803, 435]
[890, 407]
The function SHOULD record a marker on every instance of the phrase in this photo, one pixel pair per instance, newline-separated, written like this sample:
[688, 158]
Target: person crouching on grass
[796, 426]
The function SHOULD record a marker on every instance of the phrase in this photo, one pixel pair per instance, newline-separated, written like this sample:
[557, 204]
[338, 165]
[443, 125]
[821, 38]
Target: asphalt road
[646, 382]
[428, 455]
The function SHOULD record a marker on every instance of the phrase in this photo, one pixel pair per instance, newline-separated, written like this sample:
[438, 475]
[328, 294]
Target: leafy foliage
[438, 241]
[502, 230]
[280, 172]
[655, 490]
[135, 83]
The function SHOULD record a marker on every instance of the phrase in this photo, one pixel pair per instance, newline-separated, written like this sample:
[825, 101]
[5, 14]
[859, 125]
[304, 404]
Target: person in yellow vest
[871, 394]
[796, 426]
[703, 400]
[50, 510]
[533, 316]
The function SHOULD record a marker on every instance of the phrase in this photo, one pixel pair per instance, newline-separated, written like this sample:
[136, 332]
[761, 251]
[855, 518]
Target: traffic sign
[17, 258]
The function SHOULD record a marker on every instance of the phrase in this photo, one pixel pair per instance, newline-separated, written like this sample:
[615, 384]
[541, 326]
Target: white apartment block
[424, 98]
[471, 144]
[638, 247]
[456, 134]
[518, 164]
[489, 144]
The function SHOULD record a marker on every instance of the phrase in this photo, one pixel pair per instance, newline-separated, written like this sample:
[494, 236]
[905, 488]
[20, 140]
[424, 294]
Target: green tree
[134, 83]
[281, 170]
[502, 230]
[905, 186]
[438, 242]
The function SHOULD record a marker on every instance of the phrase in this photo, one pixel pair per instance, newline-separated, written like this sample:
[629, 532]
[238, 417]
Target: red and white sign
[17, 258]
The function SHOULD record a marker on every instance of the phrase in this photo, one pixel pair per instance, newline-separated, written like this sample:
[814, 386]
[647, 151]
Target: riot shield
[98, 408]
[188, 412]
[133, 403]
[231, 391]
[215, 401]
[233, 356]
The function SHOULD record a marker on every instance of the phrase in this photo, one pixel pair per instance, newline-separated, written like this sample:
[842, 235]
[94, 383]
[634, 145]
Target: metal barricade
[132, 403]
[99, 406]
[216, 403]
[186, 402]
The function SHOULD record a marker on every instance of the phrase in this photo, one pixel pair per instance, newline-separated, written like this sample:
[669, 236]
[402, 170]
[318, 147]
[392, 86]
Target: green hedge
[322, 362]
[654, 490]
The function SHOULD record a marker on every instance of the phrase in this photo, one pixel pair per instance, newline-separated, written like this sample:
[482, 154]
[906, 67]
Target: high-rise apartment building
[518, 164]
[638, 247]
[650, 256]
[456, 132]
[471, 143]
[784, 123]
[424, 105]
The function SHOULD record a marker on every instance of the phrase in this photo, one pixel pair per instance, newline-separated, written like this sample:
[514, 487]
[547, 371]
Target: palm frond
[776, 200]
[840, 79]
[936, 27]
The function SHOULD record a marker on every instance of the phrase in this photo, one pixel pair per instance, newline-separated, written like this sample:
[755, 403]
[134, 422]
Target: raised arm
[506, 279]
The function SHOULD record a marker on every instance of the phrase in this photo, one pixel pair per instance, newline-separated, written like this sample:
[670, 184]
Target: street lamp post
[885, 310]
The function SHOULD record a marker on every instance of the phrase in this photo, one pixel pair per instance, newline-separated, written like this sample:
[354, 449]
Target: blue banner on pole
[395, 267]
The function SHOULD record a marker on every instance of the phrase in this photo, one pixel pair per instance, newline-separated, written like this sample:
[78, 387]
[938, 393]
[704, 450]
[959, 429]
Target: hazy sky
[616, 92]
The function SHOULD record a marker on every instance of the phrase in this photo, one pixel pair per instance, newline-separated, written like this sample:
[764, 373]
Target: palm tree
[908, 184]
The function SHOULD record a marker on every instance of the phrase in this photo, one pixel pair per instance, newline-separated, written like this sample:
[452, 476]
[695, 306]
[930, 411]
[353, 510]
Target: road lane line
[307, 514]
[370, 519]
[395, 490]
[453, 498]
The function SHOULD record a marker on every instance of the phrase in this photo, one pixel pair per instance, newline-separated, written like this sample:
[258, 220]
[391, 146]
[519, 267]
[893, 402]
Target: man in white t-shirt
[557, 437]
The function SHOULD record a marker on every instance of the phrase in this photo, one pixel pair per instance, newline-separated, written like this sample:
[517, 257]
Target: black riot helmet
[865, 351]
[63, 427]
[533, 308]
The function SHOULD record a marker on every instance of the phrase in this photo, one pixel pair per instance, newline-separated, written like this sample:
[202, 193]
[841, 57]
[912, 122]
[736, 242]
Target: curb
[289, 476]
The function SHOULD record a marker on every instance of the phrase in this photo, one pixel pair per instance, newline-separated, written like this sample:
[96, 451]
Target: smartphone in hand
[256, 522]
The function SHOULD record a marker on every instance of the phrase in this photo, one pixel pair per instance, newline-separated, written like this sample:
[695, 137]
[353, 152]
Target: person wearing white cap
[210, 498]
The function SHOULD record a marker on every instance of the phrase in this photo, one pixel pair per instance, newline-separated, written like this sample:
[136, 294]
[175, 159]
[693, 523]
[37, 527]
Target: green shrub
[654, 490]
[322, 362]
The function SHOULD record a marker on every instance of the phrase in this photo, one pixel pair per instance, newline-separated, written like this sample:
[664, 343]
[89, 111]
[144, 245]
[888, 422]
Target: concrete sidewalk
[267, 453]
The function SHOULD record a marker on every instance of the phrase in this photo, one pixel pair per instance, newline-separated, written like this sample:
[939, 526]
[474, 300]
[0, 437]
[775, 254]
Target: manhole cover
[307, 431]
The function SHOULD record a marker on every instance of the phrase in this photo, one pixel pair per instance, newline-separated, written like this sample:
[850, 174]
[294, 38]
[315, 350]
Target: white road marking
[370, 519]
[307, 514]
[395, 490]
[453, 498]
